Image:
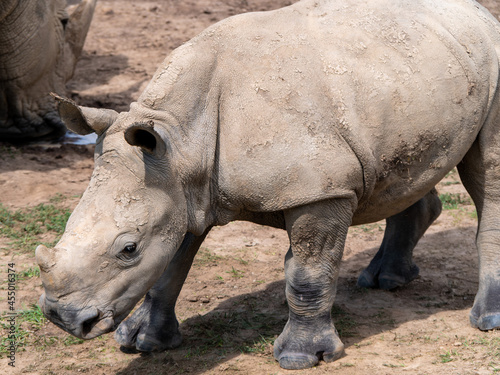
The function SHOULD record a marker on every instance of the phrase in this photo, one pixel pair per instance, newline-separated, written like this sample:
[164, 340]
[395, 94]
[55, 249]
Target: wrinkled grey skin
[39, 46]
[310, 118]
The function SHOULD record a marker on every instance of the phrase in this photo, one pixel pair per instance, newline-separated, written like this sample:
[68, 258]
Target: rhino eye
[128, 251]
[129, 248]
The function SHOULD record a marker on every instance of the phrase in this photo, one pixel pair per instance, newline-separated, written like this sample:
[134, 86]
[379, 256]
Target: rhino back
[341, 98]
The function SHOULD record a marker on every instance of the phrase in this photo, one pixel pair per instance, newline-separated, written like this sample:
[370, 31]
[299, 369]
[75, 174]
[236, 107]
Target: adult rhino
[309, 118]
[39, 46]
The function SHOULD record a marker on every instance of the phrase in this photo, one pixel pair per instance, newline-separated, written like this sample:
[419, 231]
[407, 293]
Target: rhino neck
[184, 97]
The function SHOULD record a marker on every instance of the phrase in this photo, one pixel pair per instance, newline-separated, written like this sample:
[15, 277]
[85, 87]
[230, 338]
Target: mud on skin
[200, 148]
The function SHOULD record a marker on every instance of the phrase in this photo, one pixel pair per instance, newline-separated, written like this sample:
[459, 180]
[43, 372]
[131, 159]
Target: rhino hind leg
[317, 234]
[393, 265]
[154, 326]
[480, 174]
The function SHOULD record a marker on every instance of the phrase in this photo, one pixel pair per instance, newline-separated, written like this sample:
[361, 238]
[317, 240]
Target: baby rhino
[310, 118]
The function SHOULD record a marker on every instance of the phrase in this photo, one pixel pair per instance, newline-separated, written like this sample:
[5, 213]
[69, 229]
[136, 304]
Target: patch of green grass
[448, 356]
[437, 305]
[237, 274]
[21, 327]
[262, 345]
[429, 339]
[451, 201]
[374, 227]
[495, 368]
[242, 261]
[391, 365]
[58, 198]
[8, 332]
[384, 318]
[205, 257]
[452, 172]
[490, 344]
[43, 341]
[29, 273]
[26, 331]
[344, 324]
[8, 151]
[448, 183]
[72, 340]
[25, 227]
[224, 332]
[347, 364]
[33, 316]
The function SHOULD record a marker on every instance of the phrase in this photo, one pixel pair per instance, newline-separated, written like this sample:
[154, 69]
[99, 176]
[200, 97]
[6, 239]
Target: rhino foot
[392, 266]
[486, 322]
[148, 330]
[302, 346]
[386, 279]
[485, 313]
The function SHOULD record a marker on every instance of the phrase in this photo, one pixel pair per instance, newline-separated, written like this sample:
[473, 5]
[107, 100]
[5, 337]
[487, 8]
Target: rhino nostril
[89, 323]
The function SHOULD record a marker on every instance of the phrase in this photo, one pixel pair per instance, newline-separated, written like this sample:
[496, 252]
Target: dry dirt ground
[232, 306]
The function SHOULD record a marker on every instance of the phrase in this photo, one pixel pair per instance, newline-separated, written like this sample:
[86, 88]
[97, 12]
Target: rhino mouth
[86, 323]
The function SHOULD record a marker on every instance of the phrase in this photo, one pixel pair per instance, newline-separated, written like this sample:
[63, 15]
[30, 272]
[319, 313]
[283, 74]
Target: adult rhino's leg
[317, 235]
[393, 265]
[154, 326]
[480, 174]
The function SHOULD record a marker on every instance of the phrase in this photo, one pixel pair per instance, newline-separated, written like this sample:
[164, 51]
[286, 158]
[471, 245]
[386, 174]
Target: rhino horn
[84, 120]
[75, 32]
[146, 137]
[45, 258]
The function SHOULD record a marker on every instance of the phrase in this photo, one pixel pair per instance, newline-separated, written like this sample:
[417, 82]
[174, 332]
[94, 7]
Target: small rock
[192, 299]
[108, 11]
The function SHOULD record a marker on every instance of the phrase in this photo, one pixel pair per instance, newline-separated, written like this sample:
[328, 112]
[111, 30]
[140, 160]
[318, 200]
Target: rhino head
[39, 46]
[122, 235]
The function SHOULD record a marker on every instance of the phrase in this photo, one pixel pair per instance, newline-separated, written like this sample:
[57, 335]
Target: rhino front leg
[154, 326]
[393, 265]
[317, 235]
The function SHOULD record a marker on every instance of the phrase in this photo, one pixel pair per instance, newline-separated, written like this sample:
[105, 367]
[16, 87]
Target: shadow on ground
[249, 323]
[95, 71]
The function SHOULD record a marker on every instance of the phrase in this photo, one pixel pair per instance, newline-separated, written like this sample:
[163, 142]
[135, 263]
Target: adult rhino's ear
[147, 138]
[84, 120]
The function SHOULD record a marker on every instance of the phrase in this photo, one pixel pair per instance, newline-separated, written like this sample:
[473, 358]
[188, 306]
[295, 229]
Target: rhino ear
[147, 138]
[84, 120]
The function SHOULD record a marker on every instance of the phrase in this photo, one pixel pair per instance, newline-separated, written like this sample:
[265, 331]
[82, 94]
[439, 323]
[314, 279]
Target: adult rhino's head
[122, 235]
[39, 46]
